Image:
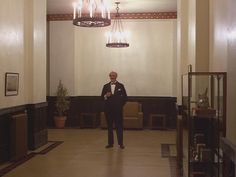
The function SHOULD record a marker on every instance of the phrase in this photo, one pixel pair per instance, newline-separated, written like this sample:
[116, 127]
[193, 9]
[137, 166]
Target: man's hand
[108, 94]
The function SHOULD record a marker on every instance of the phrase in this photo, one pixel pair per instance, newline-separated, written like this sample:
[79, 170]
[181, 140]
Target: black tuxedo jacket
[117, 100]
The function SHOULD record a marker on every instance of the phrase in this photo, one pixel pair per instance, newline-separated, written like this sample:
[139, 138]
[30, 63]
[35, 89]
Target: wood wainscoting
[36, 127]
[94, 104]
[4, 138]
[5, 120]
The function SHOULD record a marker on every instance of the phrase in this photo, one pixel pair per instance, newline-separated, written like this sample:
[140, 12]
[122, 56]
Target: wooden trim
[38, 105]
[225, 104]
[12, 109]
[20, 108]
[207, 73]
[129, 97]
[229, 157]
[229, 149]
[4, 153]
[37, 125]
[141, 15]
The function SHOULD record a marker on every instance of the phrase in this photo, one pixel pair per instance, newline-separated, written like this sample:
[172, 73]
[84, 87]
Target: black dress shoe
[109, 146]
[122, 146]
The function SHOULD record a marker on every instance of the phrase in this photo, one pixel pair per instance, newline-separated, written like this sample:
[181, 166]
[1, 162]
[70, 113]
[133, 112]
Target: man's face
[113, 76]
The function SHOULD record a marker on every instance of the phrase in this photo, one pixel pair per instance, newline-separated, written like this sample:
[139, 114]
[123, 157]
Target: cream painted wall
[231, 69]
[198, 34]
[223, 54]
[218, 35]
[39, 51]
[147, 67]
[61, 53]
[11, 48]
[192, 33]
[193, 40]
[28, 50]
[22, 42]
[202, 35]
[182, 44]
[222, 44]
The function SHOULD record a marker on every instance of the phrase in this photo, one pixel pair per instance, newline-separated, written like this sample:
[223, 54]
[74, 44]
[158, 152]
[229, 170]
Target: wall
[231, 70]
[193, 42]
[11, 48]
[182, 44]
[23, 49]
[220, 42]
[223, 44]
[202, 35]
[147, 67]
[198, 35]
[192, 33]
[61, 53]
[39, 51]
[218, 35]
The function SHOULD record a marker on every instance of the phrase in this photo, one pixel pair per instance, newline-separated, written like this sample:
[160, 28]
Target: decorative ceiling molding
[144, 15]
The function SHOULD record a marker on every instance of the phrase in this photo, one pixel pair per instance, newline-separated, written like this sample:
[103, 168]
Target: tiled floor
[83, 155]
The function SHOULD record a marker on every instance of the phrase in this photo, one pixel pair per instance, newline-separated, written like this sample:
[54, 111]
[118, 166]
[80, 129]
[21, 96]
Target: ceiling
[65, 6]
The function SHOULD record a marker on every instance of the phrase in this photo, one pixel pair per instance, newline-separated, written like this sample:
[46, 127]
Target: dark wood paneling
[5, 117]
[12, 110]
[179, 142]
[158, 105]
[4, 138]
[37, 125]
[78, 105]
[229, 158]
[94, 104]
[18, 136]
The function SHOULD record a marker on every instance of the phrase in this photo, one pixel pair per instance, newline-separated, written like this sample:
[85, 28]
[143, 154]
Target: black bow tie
[113, 83]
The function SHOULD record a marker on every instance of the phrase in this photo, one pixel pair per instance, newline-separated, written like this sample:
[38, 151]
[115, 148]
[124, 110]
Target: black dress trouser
[115, 117]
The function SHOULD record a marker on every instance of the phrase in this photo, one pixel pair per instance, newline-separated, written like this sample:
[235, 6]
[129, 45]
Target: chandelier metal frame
[117, 32]
[86, 15]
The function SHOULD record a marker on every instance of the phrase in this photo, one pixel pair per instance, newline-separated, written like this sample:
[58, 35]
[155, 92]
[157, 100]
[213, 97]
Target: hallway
[82, 154]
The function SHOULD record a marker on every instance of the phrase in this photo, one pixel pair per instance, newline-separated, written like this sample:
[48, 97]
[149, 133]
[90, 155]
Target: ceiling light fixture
[117, 37]
[91, 13]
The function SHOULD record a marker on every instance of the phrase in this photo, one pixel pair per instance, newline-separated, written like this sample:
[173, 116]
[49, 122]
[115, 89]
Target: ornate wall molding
[144, 15]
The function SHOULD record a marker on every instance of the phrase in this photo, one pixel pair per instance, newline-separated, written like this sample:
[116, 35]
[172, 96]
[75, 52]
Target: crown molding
[144, 15]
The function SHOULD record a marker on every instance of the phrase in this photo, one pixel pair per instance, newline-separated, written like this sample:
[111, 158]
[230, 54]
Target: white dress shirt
[113, 86]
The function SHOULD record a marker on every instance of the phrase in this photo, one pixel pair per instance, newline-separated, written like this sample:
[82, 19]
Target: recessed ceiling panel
[65, 6]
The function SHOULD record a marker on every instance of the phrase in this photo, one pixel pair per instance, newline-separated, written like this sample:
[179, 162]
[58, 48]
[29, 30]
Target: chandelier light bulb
[117, 37]
[91, 13]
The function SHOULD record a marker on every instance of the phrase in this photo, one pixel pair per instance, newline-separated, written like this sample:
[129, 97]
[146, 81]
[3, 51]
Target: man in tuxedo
[114, 96]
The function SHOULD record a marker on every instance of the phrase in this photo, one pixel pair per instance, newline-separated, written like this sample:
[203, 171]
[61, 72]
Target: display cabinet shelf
[204, 120]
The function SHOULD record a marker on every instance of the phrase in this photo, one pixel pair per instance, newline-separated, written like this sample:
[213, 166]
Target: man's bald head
[113, 75]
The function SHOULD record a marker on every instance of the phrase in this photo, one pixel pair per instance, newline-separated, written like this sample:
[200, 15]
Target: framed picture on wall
[11, 84]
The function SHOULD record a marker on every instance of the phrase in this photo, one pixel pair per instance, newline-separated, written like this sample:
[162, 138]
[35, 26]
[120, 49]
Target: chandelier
[91, 13]
[117, 38]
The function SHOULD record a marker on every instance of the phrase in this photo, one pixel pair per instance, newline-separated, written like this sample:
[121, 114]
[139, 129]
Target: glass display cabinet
[204, 123]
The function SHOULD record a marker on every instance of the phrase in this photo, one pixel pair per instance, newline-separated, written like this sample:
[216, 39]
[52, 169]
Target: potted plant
[62, 105]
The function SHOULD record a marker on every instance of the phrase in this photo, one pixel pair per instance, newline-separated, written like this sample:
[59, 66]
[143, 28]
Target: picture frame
[11, 84]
